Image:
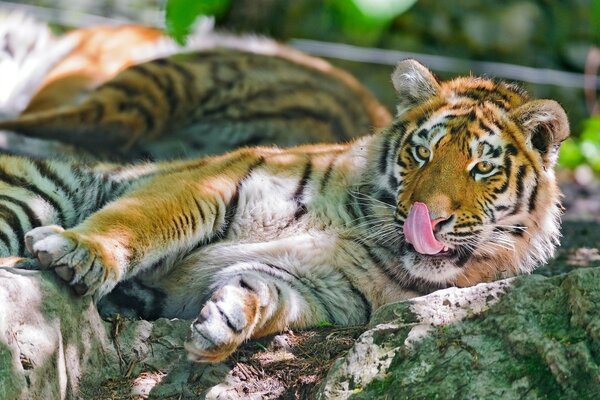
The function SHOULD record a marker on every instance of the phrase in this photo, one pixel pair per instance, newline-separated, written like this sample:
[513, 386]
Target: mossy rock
[540, 340]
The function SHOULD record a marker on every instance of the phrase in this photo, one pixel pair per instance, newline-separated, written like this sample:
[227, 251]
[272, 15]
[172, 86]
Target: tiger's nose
[438, 223]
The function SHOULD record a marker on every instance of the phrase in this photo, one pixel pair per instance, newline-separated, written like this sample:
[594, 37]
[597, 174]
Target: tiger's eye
[423, 152]
[483, 167]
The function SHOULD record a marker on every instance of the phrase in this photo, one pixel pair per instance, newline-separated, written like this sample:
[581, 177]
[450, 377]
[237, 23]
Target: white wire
[540, 76]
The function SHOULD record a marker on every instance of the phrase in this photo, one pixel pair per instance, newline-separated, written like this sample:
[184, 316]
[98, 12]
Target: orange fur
[101, 53]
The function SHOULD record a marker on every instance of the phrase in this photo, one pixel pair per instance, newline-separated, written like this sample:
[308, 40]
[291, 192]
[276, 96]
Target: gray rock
[399, 327]
[48, 338]
[539, 340]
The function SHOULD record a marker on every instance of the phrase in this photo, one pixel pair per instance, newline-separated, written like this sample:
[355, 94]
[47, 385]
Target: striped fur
[230, 92]
[261, 239]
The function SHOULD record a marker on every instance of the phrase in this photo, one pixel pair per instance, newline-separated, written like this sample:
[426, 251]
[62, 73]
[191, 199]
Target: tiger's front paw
[225, 321]
[77, 261]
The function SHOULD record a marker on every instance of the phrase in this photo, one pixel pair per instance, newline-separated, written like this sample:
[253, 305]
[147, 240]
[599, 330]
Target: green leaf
[570, 155]
[181, 15]
[383, 9]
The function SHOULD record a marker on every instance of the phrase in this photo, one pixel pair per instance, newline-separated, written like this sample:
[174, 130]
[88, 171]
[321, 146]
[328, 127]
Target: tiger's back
[235, 91]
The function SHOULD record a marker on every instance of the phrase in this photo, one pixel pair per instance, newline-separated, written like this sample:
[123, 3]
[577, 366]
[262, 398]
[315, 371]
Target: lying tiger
[458, 189]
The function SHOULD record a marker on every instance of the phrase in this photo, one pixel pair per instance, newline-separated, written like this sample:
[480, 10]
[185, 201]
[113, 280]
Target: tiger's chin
[440, 269]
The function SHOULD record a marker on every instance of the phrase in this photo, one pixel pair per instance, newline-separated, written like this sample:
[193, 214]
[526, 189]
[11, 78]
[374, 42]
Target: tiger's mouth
[446, 252]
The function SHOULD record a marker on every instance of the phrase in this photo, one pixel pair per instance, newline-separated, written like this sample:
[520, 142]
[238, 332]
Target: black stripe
[312, 291]
[163, 81]
[518, 230]
[464, 256]
[187, 75]
[352, 210]
[187, 78]
[177, 228]
[327, 174]
[142, 69]
[366, 303]
[22, 183]
[125, 88]
[167, 85]
[507, 173]
[12, 220]
[231, 209]
[486, 128]
[466, 224]
[393, 182]
[463, 234]
[33, 219]
[200, 211]
[386, 197]
[378, 262]
[533, 196]
[280, 269]
[385, 153]
[422, 133]
[44, 170]
[485, 96]
[364, 206]
[5, 239]
[138, 108]
[97, 110]
[227, 320]
[299, 192]
[520, 177]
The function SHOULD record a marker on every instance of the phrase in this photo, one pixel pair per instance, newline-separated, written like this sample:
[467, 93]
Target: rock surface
[48, 338]
[530, 337]
[539, 340]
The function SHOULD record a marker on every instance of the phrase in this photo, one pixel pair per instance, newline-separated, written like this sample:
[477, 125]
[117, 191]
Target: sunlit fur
[261, 239]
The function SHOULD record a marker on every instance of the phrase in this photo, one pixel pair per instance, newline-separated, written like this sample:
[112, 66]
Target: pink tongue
[418, 231]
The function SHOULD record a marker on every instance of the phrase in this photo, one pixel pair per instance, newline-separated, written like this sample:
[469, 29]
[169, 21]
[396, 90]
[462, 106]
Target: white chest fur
[266, 207]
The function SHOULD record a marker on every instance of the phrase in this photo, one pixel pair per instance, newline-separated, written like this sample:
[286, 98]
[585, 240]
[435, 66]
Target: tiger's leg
[34, 193]
[250, 304]
[166, 216]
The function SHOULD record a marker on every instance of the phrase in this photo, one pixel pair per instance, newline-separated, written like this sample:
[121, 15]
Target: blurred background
[548, 46]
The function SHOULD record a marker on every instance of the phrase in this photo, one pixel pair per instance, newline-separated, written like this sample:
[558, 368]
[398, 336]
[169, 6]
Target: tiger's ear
[546, 126]
[414, 84]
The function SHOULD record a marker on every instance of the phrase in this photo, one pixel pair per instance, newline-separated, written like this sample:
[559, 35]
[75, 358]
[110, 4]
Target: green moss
[535, 342]
[11, 384]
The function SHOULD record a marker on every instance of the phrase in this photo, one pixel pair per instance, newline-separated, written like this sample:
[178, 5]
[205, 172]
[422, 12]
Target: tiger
[458, 189]
[219, 93]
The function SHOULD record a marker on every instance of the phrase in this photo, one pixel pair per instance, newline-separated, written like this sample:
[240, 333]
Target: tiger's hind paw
[77, 261]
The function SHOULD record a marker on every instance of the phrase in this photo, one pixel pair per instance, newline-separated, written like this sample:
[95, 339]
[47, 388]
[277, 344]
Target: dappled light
[274, 199]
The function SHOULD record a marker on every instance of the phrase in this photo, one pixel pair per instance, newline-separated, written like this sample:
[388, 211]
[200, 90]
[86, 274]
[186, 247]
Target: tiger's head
[470, 163]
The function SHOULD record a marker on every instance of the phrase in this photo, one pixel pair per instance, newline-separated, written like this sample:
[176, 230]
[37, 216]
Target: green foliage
[363, 21]
[595, 17]
[584, 149]
[181, 15]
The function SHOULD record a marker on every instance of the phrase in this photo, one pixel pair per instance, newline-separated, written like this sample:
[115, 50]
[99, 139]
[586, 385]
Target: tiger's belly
[328, 268]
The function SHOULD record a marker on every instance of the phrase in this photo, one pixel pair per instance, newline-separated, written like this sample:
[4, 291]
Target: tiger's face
[471, 165]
